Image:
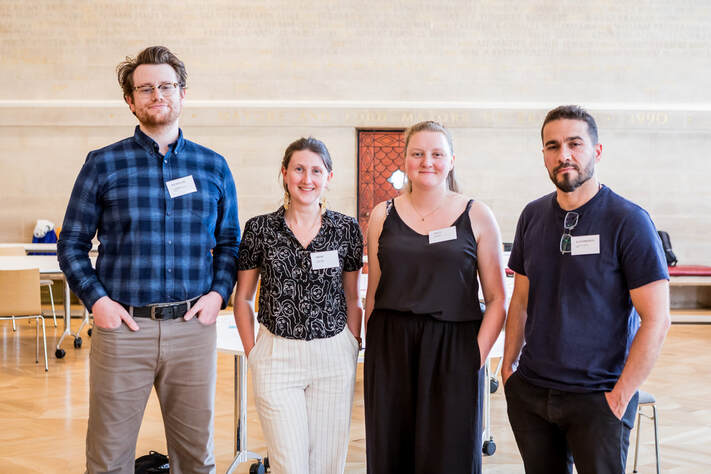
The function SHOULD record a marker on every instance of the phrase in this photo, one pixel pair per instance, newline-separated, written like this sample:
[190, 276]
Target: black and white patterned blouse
[296, 301]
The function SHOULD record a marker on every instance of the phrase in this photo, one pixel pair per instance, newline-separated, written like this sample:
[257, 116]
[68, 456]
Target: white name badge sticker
[321, 260]
[443, 235]
[181, 186]
[585, 245]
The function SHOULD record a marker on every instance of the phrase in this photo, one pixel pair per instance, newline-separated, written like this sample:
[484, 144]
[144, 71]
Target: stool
[647, 400]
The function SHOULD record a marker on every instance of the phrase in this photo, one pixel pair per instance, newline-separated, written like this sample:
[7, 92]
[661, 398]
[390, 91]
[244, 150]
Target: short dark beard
[567, 184]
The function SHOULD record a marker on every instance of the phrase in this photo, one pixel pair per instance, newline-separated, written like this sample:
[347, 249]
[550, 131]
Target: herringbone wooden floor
[43, 415]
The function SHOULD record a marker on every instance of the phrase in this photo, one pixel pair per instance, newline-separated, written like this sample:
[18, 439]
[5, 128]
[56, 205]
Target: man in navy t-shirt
[589, 266]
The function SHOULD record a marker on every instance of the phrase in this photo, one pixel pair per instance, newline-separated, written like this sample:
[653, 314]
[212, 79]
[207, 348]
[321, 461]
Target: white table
[228, 341]
[48, 265]
[37, 247]
[28, 247]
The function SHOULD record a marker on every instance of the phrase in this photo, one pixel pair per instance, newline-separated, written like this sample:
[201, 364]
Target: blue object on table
[49, 238]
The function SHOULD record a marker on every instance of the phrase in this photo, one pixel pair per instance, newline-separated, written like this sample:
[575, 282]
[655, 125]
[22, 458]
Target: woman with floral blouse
[304, 360]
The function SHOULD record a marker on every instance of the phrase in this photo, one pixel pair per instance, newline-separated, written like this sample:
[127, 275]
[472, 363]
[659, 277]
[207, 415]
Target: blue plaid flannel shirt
[152, 248]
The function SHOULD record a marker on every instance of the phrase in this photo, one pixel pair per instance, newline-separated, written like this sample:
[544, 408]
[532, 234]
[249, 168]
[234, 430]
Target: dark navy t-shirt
[581, 321]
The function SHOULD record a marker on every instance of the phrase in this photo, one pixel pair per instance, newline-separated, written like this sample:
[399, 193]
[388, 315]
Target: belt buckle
[168, 306]
[156, 306]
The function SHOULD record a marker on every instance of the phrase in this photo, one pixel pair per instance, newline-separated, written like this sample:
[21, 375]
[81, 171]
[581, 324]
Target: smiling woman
[304, 359]
[433, 137]
[306, 170]
[426, 333]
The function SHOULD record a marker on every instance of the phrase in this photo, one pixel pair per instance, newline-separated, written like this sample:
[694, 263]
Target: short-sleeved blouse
[296, 301]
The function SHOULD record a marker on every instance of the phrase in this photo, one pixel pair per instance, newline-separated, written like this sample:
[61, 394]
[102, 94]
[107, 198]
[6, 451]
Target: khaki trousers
[303, 392]
[179, 359]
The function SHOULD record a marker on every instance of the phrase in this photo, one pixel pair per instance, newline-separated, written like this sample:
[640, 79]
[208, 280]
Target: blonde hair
[432, 126]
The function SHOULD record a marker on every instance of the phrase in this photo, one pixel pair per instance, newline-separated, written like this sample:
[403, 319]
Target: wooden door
[380, 170]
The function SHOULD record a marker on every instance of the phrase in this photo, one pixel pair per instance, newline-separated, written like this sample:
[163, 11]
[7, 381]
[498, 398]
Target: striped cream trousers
[304, 393]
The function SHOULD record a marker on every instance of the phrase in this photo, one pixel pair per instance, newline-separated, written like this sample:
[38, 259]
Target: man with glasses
[588, 266]
[165, 211]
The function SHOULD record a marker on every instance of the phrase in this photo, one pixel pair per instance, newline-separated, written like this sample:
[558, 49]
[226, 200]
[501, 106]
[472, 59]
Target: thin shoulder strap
[388, 206]
[468, 219]
[469, 205]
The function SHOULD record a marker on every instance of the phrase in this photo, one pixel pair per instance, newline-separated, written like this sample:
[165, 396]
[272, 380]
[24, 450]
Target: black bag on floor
[152, 463]
[666, 244]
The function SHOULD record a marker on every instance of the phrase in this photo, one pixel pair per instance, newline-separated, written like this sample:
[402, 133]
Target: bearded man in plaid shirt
[165, 213]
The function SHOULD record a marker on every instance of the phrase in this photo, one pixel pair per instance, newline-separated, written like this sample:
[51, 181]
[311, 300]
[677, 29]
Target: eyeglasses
[569, 223]
[165, 88]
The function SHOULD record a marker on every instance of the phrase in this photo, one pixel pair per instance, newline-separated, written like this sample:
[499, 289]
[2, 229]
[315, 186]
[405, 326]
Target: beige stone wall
[481, 50]
[264, 73]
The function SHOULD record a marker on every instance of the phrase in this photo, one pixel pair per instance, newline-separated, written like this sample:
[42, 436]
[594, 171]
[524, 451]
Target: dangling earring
[287, 199]
[323, 205]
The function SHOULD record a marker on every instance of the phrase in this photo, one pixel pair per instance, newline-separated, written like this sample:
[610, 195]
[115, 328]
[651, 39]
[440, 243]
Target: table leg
[487, 400]
[241, 452]
[67, 320]
[84, 322]
[488, 446]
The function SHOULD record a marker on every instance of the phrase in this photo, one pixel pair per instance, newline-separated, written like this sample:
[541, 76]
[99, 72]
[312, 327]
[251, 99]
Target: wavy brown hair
[150, 55]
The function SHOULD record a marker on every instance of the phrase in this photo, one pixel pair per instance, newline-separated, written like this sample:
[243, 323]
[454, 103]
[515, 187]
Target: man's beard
[569, 183]
[157, 120]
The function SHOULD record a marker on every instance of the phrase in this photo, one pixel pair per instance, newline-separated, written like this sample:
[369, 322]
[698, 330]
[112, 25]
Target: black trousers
[553, 429]
[421, 388]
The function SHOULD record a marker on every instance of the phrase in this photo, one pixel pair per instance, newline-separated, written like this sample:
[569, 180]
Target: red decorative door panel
[380, 164]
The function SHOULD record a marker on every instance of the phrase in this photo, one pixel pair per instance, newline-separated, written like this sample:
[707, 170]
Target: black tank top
[438, 279]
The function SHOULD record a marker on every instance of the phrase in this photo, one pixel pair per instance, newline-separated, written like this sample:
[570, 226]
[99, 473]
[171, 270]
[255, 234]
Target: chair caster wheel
[257, 468]
[77, 342]
[59, 353]
[488, 448]
[493, 385]
[88, 332]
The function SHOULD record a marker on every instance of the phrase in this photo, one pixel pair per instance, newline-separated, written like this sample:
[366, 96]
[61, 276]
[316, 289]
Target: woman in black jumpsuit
[426, 335]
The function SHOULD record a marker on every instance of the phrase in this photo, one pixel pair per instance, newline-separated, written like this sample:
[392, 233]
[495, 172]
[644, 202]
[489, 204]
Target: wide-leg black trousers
[421, 388]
